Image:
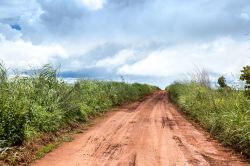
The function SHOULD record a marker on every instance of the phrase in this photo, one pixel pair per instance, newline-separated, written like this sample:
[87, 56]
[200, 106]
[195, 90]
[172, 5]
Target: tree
[222, 82]
[245, 76]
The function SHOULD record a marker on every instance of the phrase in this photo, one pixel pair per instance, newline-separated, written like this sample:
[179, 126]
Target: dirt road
[147, 133]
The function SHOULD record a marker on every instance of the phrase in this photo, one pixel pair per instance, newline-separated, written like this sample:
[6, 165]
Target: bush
[223, 113]
[202, 78]
[245, 76]
[222, 82]
[41, 102]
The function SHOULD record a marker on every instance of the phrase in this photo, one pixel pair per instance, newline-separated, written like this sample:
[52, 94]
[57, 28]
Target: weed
[40, 103]
[223, 112]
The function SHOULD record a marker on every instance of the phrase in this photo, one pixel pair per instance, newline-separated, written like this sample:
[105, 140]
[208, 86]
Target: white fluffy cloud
[94, 4]
[221, 56]
[19, 54]
[120, 58]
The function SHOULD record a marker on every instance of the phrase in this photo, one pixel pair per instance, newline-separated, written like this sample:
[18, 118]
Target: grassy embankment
[225, 113]
[42, 103]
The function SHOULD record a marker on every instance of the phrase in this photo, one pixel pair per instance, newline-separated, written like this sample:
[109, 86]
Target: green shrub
[222, 82]
[245, 76]
[41, 102]
[226, 114]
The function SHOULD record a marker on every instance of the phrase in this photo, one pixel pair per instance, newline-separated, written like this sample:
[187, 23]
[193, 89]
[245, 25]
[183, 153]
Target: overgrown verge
[224, 112]
[42, 103]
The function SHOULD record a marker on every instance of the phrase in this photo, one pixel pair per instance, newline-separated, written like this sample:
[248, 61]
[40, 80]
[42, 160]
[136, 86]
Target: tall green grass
[224, 113]
[41, 102]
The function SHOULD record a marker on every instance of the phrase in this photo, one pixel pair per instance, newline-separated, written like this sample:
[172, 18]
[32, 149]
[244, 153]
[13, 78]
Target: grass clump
[46, 149]
[41, 102]
[224, 113]
[51, 146]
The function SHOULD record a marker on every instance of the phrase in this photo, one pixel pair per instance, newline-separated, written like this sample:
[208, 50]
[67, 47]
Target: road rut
[146, 133]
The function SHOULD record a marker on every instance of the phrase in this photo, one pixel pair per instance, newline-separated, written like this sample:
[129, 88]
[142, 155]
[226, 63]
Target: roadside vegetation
[41, 102]
[223, 111]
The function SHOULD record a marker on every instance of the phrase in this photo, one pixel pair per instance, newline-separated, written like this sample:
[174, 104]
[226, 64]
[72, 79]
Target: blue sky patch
[16, 27]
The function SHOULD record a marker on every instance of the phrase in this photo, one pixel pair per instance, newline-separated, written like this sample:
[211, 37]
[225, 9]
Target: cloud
[245, 16]
[8, 32]
[171, 21]
[223, 56]
[145, 40]
[94, 4]
[120, 58]
[22, 55]
[14, 9]
[56, 13]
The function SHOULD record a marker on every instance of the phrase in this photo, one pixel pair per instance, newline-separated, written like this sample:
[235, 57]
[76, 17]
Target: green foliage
[46, 149]
[226, 114]
[222, 82]
[3, 74]
[41, 102]
[245, 76]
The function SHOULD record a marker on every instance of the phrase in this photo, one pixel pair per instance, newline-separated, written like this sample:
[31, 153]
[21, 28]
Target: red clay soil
[147, 133]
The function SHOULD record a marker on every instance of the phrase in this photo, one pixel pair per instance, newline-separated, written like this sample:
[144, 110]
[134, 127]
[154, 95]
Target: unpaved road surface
[146, 133]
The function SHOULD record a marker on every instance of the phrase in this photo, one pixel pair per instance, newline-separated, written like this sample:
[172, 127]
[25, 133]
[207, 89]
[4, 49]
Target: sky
[147, 41]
